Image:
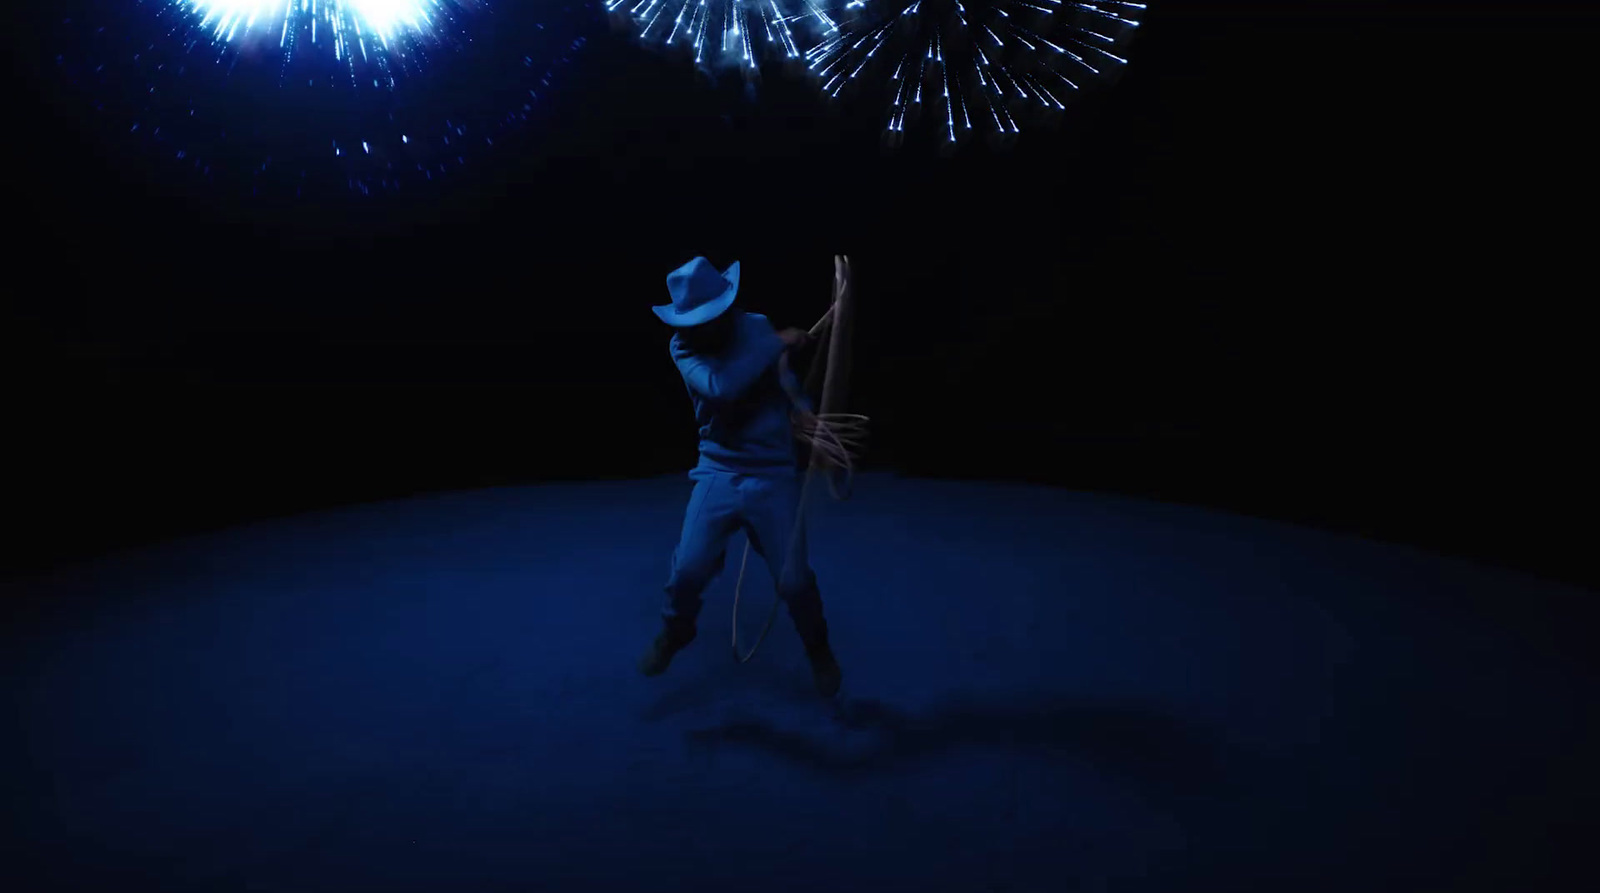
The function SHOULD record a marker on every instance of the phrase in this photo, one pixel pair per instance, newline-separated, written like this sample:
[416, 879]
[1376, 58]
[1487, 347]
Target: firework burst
[385, 35]
[300, 97]
[971, 65]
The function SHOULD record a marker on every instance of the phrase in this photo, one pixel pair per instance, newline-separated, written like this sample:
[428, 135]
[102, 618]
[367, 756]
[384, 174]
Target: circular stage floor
[1044, 691]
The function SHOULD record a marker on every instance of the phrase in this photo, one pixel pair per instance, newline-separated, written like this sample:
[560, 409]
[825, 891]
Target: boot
[674, 637]
[824, 669]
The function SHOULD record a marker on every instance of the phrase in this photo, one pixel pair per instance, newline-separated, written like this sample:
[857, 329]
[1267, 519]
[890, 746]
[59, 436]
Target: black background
[1315, 261]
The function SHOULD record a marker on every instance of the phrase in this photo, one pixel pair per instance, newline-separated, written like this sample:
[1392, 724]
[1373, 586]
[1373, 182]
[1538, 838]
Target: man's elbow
[713, 391]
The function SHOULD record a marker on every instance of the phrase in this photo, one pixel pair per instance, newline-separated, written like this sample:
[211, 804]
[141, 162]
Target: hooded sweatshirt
[740, 403]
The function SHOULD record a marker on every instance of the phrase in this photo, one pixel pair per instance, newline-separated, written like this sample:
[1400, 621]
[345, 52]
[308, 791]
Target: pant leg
[708, 523]
[771, 514]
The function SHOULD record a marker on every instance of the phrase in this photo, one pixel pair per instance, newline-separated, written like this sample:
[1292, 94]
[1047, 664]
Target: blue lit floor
[1044, 691]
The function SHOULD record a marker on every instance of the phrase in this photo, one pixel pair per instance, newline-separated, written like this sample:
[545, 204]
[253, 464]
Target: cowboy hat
[699, 293]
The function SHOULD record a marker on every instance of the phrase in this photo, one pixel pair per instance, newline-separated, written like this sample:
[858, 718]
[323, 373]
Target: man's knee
[686, 586]
[689, 578]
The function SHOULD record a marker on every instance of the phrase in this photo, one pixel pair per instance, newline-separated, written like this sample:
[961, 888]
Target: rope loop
[836, 440]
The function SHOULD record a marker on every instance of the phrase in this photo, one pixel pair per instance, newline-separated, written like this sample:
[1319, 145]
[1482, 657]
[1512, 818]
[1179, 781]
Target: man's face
[709, 337]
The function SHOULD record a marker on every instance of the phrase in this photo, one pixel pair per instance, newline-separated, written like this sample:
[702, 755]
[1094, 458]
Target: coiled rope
[836, 439]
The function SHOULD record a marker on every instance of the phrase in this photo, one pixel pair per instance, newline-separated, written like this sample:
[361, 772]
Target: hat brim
[705, 312]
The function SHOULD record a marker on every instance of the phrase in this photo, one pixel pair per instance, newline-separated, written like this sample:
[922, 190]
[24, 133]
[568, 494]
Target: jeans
[766, 508]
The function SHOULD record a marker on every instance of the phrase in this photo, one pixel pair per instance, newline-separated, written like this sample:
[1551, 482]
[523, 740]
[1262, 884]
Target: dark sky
[1306, 259]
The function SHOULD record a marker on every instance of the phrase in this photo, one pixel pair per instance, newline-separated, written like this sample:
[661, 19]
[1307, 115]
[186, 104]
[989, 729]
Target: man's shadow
[1162, 755]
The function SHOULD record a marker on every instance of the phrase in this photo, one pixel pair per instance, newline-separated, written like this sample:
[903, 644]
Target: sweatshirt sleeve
[726, 379]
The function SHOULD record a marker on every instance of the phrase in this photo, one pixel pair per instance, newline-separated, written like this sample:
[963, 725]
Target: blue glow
[311, 97]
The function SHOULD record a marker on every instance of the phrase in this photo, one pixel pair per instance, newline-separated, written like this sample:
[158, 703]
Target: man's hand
[795, 338]
[804, 422]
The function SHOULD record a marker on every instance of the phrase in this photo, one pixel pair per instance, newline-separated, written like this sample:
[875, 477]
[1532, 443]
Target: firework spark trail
[720, 32]
[230, 20]
[1007, 56]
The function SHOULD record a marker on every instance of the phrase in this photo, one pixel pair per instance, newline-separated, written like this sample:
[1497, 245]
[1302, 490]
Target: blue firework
[310, 96]
[375, 37]
[971, 65]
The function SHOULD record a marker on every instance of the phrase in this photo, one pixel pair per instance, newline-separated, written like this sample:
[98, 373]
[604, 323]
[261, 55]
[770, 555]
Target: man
[747, 477]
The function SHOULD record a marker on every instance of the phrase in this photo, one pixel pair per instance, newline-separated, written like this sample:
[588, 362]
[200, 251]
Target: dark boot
[824, 669]
[672, 639]
[806, 610]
